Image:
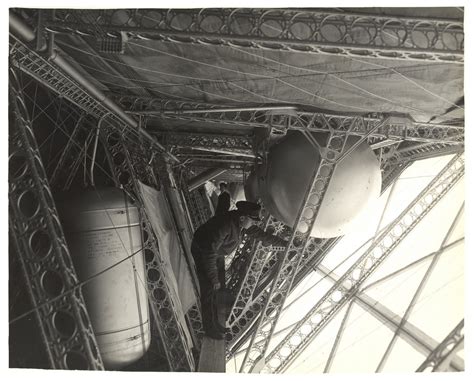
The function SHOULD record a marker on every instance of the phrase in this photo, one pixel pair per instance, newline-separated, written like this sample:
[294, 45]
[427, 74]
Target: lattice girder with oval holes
[287, 268]
[164, 310]
[439, 359]
[41, 246]
[304, 31]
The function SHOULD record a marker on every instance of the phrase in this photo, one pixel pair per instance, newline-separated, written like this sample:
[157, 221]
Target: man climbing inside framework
[216, 238]
[223, 201]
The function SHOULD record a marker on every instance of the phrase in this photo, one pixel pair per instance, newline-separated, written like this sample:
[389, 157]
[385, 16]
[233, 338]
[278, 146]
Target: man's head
[223, 187]
[249, 211]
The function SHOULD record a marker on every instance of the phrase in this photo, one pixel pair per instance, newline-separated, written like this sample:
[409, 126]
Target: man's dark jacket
[217, 237]
[223, 203]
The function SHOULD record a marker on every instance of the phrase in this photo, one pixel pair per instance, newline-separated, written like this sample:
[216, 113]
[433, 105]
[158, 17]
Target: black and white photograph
[240, 190]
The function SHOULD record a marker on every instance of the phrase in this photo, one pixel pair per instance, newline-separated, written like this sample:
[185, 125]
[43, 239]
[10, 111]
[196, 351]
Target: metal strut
[301, 230]
[348, 284]
[396, 128]
[303, 31]
[128, 172]
[65, 81]
[219, 143]
[423, 151]
[315, 252]
[260, 253]
[41, 246]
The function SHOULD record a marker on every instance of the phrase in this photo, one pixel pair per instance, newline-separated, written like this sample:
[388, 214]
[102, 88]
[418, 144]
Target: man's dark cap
[248, 208]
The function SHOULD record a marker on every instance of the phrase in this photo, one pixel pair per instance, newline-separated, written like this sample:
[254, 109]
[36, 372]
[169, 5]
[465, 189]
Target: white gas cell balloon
[281, 183]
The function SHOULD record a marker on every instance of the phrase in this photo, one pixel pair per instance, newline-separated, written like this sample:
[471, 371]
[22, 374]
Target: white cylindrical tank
[283, 180]
[102, 227]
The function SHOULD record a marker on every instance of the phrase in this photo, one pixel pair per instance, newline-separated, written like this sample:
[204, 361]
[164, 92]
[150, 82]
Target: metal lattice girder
[49, 273]
[253, 284]
[348, 284]
[312, 259]
[168, 181]
[311, 31]
[152, 168]
[439, 360]
[194, 210]
[222, 143]
[315, 252]
[54, 78]
[247, 286]
[244, 295]
[231, 165]
[398, 128]
[189, 200]
[135, 103]
[419, 290]
[200, 210]
[236, 264]
[423, 151]
[419, 340]
[194, 316]
[127, 172]
[291, 258]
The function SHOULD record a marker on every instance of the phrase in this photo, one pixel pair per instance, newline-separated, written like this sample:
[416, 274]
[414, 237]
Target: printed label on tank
[105, 244]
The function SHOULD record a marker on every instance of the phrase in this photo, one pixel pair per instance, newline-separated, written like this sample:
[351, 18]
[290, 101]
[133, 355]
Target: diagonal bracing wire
[441, 251]
[337, 340]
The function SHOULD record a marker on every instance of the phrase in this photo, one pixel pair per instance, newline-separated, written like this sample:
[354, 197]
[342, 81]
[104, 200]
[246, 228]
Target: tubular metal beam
[201, 179]
[309, 31]
[23, 32]
[348, 284]
[50, 276]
